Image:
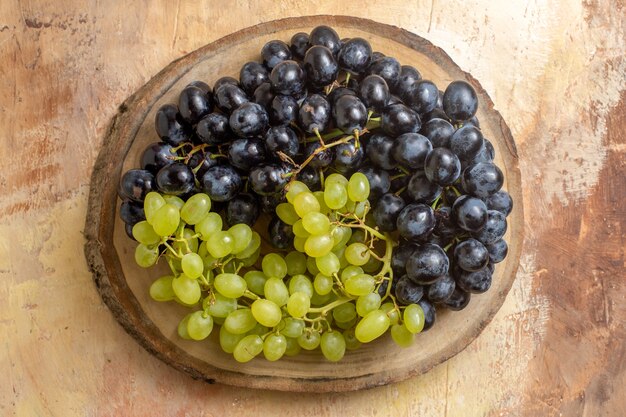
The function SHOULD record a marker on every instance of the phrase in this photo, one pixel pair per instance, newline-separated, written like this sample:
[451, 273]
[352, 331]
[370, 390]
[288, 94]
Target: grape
[146, 256]
[320, 245]
[266, 312]
[305, 202]
[349, 114]
[294, 188]
[497, 251]
[221, 183]
[413, 318]
[252, 75]
[242, 237]
[165, 220]
[430, 314]
[324, 209]
[170, 126]
[219, 306]
[323, 284]
[344, 312]
[230, 285]
[228, 340]
[287, 78]
[482, 179]
[287, 213]
[441, 289]
[252, 247]
[182, 327]
[476, 282]
[328, 264]
[255, 281]
[397, 119]
[458, 300]
[442, 166]
[213, 128]
[358, 187]
[333, 345]
[293, 348]
[494, 228]
[338, 178]
[192, 265]
[161, 289]
[374, 92]
[427, 263]
[299, 230]
[301, 283]
[315, 223]
[460, 101]
[401, 335]
[500, 201]
[352, 342]
[135, 184]
[391, 311]
[366, 303]
[471, 255]
[407, 291]
[240, 321]
[357, 254]
[209, 225]
[247, 348]
[325, 36]
[466, 142]
[470, 213]
[355, 55]
[175, 179]
[335, 195]
[416, 221]
[298, 304]
[296, 263]
[293, 327]
[274, 265]
[387, 210]
[189, 240]
[144, 233]
[220, 244]
[174, 200]
[372, 265]
[199, 325]
[309, 339]
[242, 209]
[350, 271]
[195, 208]
[275, 290]
[361, 284]
[314, 114]
[186, 289]
[152, 203]
[372, 326]
[274, 347]
[340, 235]
[298, 243]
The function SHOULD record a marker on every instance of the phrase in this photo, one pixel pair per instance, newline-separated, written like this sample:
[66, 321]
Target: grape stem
[325, 309]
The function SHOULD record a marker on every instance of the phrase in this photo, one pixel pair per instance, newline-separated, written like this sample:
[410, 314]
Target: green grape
[195, 208]
[298, 304]
[309, 339]
[274, 265]
[299, 230]
[301, 283]
[174, 200]
[366, 303]
[323, 284]
[240, 321]
[182, 327]
[146, 256]
[319, 299]
[340, 253]
[352, 342]
[324, 209]
[252, 247]
[276, 291]
[293, 348]
[372, 326]
[151, 203]
[316, 223]
[219, 306]
[274, 347]
[361, 284]
[287, 213]
[186, 289]
[242, 236]
[165, 220]
[218, 320]
[144, 233]
[230, 285]
[335, 195]
[251, 260]
[372, 265]
[343, 325]
[320, 245]
[358, 187]
[199, 325]
[220, 244]
[362, 208]
[211, 224]
[344, 312]
[334, 177]
[341, 235]
[296, 263]
[247, 348]
[207, 259]
[333, 345]
[190, 240]
[298, 243]
[305, 202]
[357, 254]
[414, 318]
[228, 340]
[266, 312]
[293, 327]
[328, 264]
[401, 335]
[255, 280]
[349, 207]
[161, 289]
[294, 188]
[391, 311]
[311, 266]
[192, 265]
[350, 271]
[259, 329]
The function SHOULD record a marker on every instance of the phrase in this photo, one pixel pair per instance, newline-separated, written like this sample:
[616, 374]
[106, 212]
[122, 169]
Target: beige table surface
[556, 70]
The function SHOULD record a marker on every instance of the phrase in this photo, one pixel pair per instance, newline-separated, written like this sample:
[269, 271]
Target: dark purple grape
[374, 92]
[416, 222]
[264, 95]
[299, 45]
[348, 158]
[271, 201]
[170, 126]
[410, 150]
[397, 119]
[201, 85]
[458, 300]
[476, 282]
[471, 255]
[379, 180]
[334, 95]
[310, 177]
[131, 212]
[427, 263]
[386, 67]
[349, 114]
[246, 153]
[438, 131]
[379, 149]
[500, 201]
[440, 290]
[445, 228]
[283, 110]
[400, 257]
[376, 55]
[320, 66]
[281, 139]
[497, 251]
[326, 36]
[421, 96]
[460, 101]
[442, 166]
[470, 213]
[407, 77]
[267, 179]
[288, 78]
[280, 233]
[135, 184]
[194, 103]
[274, 52]
[200, 162]
[482, 180]
[386, 212]
[244, 208]
[466, 142]
[228, 97]
[221, 183]
[314, 114]
[473, 121]
[430, 313]
[249, 119]
[494, 229]
[213, 129]
[156, 156]
[355, 55]
[407, 292]
[251, 76]
[322, 159]
[175, 179]
[223, 81]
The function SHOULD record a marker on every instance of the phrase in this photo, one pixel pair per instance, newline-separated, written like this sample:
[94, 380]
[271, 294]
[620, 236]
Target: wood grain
[555, 71]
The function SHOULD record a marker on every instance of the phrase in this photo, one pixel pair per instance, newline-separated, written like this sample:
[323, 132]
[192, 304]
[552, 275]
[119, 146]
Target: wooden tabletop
[554, 69]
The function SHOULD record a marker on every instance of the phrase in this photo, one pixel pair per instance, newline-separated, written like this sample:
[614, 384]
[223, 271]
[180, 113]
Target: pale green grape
[401, 335]
[299, 230]
[228, 340]
[220, 244]
[414, 318]
[316, 223]
[199, 325]
[230, 285]
[333, 345]
[324, 209]
[341, 235]
[296, 263]
[287, 213]
[293, 327]
[305, 202]
[352, 342]
[211, 224]
[340, 253]
[293, 348]
[350, 271]
[309, 339]
[361, 208]
[242, 236]
[266, 312]
[259, 329]
[328, 264]
[252, 247]
[146, 256]
[298, 304]
[298, 243]
[358, 235]
[219, 306]
[357, 254]
[274, 347]
[186, 289]
[274, 265]
[334, 177]
[218, 320]
[361, 284]
[311, 266]
[372, 326]
[207, 259]
[174, 200]
[165, 220]
[301, 283]
[372, 265]
[323, 284]
[319, 299]
[195, 208]
[391, 311]
[255, 281]
[251, 260]
[192, 265]
[343, 325]
[151, 203]
[190, 241]
[161, 289]
[358, 187]
[276, 291]
[240, 321]
[294, 188]
[366, 303]
[335, 195]
[320, 245]
[182, 327]
[247, 348]
[144, 233]
[344, 312]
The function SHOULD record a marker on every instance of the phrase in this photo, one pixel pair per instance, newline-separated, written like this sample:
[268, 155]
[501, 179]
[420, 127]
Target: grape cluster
[380, 196]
